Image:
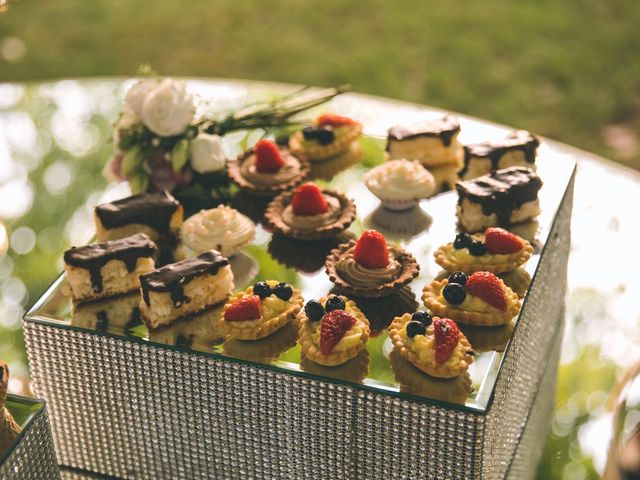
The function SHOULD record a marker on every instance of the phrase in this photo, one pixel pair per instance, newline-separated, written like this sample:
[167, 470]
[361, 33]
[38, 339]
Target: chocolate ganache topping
[93, 257]
[173, 277]
[502, 191]
[494, 150]
[152, 209]
[444, 128]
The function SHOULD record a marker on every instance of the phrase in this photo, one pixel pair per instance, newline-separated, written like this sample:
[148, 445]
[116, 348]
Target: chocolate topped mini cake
[110, 268]
[184, 287]
[517, 148]
[502, 198]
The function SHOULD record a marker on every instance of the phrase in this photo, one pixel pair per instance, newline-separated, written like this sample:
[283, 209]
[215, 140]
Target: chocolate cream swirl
[360, 276]
[311, 222]
[289, 171]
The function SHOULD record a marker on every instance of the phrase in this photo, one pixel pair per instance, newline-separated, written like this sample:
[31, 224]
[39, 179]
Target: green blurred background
[567, 70]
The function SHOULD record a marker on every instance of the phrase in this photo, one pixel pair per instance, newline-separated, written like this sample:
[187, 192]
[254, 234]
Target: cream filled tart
[328, 137]
[400, 184]
[261, 309]
[434, 345]
[266, 170]
[310, 213]
[332, 330]
[478, 299]
[496, 250]
[369, 267]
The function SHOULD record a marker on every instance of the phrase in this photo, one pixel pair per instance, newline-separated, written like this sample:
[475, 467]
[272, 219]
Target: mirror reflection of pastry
[9, 429]
[249, 205]
[381, 311]
[198, 332]
[517, 280]
[306, 256]
[485, 339]
[354, 370]
[399, 225]
[244, 268]
[264, 350]
[112, 315]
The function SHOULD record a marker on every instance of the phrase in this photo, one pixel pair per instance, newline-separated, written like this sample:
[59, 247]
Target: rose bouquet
[160, 145]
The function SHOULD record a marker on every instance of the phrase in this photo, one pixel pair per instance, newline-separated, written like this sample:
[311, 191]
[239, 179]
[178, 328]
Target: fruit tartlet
[332, 330]
[310, 213]
[369, 267]
[496, 250]
[433, 344]
[400, 184]
[328, 137]
[267, 170]
[478, 299]
[261, 309]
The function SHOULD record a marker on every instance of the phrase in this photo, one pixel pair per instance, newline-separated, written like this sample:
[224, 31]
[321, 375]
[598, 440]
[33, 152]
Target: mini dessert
[329, 137]
[332, 330]
[9, 429]
[432, 142]
[263, 350]
[354, 370]
[434, 345]
[479, 299]
[109, 315]
[184, 288]
[382, 310]
[496, 250]
[369, 267]
[198, 332]
[501, 199]
[400, 184]
[399, 225]
[261, 309]
[159, 215]
[106, 269]
[517, 148]
[266, 170]
[306, 256]
[445, 177]
[310, 213]
[222, 228]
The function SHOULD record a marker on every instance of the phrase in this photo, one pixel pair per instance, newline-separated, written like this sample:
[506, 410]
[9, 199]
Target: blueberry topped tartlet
[328, 137]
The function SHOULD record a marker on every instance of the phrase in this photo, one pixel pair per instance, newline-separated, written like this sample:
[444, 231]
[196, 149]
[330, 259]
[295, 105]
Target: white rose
[207, 153]
[168, 109]
[136, 94]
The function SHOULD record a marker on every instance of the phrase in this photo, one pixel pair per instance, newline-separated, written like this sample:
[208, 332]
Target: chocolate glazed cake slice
[502, 198]
[110, 268]
[184, 288]
[9, 429]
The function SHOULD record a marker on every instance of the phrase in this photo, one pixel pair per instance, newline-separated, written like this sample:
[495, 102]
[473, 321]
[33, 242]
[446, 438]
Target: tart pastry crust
[266, 349]
[446, 259]
[433, 290]
[354, 370]
[319, 153]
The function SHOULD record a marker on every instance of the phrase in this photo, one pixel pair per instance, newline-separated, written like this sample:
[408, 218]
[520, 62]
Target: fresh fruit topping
[371, 250]
[262, 289]
[454, 293]
[486, 286]
[314, 310]
[333, 120]
[462, 241]
[415, 328]
[334, 325]
[423, 317]
[477, 248]
[283, 291]
[245, 308]
[334, 303]
[269, 158]
[499, 240]
[323, 135]
[446, 336]
[308, 200]
[458, 277]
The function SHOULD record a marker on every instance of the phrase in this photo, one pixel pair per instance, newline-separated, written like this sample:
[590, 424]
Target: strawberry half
[308, 200]
[371, 250]
[333, 120]
[498, 240]
[487, 287]
[269, 158]
[334, 325]
[245, 308]
[446, 336]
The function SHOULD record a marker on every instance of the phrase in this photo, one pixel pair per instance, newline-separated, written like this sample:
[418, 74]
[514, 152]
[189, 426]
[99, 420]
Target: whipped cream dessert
[400, 181]
[361, 276]
[311, 222]
[289, 171]
[222, 228]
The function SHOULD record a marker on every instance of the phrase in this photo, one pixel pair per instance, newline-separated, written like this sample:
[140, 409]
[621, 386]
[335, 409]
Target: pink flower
[164, 178]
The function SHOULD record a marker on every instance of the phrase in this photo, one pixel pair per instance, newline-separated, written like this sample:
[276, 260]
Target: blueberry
[262, 289]
[458, 277]
[314, 310]
[477, 248]
[454, 293]
[325, 135]
[283, 291]
[462, 241]
[415, 328]
[335, 303]
[309, 133]
[423, 317]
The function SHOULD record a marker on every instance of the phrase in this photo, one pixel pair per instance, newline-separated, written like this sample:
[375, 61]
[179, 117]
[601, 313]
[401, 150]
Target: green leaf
[131, 160]
[139, 183]
[180, 155]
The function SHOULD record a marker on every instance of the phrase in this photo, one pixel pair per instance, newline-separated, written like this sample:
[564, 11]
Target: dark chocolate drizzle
[152, 209]
[502, 191]
[494, 150]
[93, 257]
[172, 278]
[444, 128]
[102, 321]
